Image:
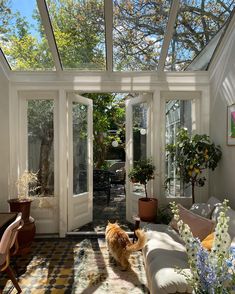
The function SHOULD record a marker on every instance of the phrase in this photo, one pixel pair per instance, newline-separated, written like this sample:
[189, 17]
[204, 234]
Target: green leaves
[192, 155]
[142, 172]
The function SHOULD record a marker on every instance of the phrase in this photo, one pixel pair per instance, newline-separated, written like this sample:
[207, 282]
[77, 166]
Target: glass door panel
[138, 146]
[80, 148]
[80, 190]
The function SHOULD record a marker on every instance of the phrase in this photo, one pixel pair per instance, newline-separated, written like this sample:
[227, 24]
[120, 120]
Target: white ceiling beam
[108, 18]
[168, 34]
[49, 33]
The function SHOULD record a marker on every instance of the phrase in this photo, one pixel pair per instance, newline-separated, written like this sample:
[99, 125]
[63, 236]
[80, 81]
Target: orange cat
[119, 244]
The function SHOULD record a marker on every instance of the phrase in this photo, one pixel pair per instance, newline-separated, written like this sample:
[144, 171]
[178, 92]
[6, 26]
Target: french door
[80, 161]
[138, 146]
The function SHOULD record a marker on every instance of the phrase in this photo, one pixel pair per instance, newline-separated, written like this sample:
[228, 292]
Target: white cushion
[202, 209]
[162, 255]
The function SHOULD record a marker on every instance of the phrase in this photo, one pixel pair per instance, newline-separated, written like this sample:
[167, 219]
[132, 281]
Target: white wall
[4, 141]
[222, 180]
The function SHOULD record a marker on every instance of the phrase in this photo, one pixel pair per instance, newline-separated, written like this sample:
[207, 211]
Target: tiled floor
[115, 211]
[75, 265]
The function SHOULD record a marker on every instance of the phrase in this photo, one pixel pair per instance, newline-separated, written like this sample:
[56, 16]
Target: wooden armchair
[7, 242]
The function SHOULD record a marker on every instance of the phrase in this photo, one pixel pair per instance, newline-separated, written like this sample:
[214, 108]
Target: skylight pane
[79, 31]
[197, 22]
[22, 38]
[138, 33]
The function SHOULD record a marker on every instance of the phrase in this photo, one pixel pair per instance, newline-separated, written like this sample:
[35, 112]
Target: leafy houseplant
[142, 173]
[192, 155]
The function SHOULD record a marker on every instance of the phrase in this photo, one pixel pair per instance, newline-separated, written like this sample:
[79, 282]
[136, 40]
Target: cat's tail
[139, 244]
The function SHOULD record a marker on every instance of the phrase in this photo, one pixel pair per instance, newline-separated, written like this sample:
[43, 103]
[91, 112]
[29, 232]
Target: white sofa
[165, 251]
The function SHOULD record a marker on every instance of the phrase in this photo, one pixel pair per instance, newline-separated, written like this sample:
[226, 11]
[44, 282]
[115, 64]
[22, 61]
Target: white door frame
[80, 206]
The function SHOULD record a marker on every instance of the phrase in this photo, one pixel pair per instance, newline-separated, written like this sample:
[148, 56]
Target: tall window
[40, 122]
[178, 115]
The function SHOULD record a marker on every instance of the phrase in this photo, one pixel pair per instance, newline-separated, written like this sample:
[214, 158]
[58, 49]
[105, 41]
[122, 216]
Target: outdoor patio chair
[102, 182]
[7, 242]
[118, 173]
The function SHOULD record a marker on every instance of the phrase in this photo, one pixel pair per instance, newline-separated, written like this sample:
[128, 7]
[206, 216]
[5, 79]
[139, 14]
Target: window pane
[140, 123]
[80, 148]
[197, 22]
[178, 115]
[79, 32]
[41, 143]
[140, 112]
[22, 37]
[138, 32]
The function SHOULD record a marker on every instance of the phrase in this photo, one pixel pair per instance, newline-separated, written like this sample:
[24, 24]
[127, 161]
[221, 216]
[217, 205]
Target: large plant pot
[148, 209]
[27, 232]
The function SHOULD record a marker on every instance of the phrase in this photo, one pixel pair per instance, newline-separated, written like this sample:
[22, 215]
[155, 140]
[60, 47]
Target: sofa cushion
[202, 209]
[213, 201]
[162, 255]
[208, 241]
[200, 227]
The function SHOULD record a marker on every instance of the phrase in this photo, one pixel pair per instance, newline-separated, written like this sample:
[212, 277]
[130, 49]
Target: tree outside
[138, 33]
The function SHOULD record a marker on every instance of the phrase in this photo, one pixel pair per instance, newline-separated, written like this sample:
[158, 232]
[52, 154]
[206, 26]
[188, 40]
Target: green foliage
[142, 172]
[164, 215]
[108, 114]
[79, 32]
[138, 32]
[192, 155]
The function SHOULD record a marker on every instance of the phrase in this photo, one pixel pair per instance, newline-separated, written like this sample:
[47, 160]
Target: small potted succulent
[142, 173]
[26, 184]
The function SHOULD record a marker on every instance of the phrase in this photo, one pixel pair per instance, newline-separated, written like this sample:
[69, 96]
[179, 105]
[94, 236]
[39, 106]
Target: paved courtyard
[115, 211]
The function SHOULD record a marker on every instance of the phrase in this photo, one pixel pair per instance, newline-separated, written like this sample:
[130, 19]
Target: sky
[26, 8]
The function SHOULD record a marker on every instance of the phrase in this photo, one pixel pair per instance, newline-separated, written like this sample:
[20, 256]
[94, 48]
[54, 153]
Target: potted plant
[26, 184]
[142, 173]
[191, 156]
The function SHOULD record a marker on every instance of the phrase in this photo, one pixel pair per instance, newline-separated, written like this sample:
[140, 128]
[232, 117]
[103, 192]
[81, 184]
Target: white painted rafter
[169, 33]
[49, 33]
[108, 17]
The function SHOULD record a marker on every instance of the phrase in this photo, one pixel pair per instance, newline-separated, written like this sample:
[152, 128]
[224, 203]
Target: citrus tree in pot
[142, 173]
[191, 156]
[26, 185]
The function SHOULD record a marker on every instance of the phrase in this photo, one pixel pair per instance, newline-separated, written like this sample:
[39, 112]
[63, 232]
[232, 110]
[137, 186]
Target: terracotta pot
[27, 232]
[148, 209]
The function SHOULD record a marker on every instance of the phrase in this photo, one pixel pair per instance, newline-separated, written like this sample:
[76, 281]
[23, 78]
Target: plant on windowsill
[191, 156]
[26, 184]
[142, 173]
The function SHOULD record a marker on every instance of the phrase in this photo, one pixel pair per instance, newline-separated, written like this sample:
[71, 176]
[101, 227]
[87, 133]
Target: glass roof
[138, 33]
[79, 32]
[22, 36]
[119, 35]
[197, 22]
